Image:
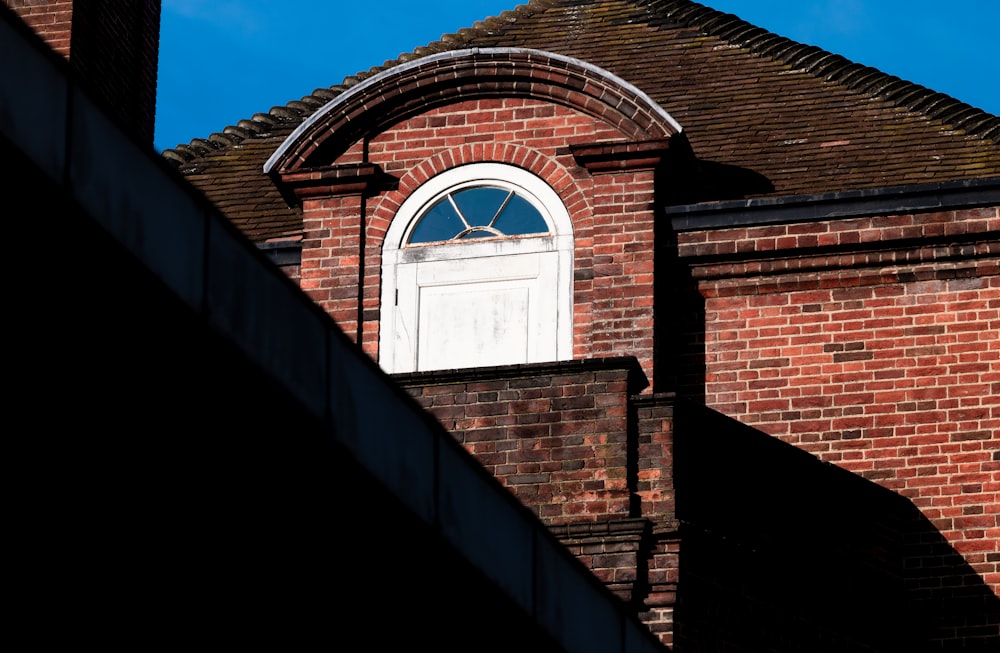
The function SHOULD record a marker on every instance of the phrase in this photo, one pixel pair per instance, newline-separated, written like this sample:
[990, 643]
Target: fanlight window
[478, 212]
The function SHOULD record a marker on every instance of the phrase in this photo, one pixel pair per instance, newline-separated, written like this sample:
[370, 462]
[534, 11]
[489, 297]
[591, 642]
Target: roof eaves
[260, 125]
[889, 200]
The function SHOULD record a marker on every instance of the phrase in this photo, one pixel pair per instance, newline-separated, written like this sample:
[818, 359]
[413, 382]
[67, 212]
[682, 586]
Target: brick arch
[422, 84]
[547, 169]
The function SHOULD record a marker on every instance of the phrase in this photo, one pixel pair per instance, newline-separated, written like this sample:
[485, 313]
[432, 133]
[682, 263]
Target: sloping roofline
[733, 29]
[227, 164]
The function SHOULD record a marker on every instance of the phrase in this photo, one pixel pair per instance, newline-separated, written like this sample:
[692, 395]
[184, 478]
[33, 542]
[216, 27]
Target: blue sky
[224, 60]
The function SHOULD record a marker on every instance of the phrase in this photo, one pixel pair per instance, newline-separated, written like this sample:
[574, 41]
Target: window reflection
[478, 212]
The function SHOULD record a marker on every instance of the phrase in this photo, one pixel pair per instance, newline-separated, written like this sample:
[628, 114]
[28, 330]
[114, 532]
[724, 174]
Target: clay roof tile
[755, 105]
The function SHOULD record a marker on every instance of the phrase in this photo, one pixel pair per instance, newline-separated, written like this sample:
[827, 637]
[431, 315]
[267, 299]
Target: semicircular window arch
[478, 201]
[478, 209]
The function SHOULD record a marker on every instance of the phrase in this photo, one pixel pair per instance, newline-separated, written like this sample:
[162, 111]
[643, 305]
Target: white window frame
[557, 246]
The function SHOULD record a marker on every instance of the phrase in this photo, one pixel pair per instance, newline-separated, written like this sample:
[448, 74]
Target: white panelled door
[477, 311]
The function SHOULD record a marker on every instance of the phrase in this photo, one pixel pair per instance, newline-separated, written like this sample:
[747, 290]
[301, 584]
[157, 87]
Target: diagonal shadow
[782, 552]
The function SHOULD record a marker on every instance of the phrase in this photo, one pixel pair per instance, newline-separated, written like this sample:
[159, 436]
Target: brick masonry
[702, 550]
[112, 45]
[868, 342]
[873, 343]
[577, 445]
[611, 211]
[51, 19]
[557, 434]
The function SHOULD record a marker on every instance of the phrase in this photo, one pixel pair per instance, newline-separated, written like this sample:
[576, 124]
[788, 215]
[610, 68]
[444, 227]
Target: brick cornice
[954, 256]
[873, 241]
[637, 379]
[941, 196]
[329, 180]
[602, 530]
[615, 157]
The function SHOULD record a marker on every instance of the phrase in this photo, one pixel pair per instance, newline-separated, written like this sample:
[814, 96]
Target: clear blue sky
[224, 60]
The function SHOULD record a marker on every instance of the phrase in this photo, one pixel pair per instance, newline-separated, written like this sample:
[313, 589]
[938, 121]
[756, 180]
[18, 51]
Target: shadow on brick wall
[782, 552]
[679, 337]
[679, 330]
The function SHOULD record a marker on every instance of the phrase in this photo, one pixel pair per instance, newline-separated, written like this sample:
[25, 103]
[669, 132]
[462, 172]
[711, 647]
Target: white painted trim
[401, 69]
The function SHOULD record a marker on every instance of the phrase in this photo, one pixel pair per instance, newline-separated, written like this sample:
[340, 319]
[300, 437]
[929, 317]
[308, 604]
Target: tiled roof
[766, 116]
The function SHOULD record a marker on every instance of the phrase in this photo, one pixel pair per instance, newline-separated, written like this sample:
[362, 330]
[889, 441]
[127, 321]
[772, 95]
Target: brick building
[722, 309]
[199, 453]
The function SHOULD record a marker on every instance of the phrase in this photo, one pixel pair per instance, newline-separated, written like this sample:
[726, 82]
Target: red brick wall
[557, 436]
[51, 19]
[622, 297]
[614, 551]
[574, 443]
[874, 344]
[331, 257]
[612, 215]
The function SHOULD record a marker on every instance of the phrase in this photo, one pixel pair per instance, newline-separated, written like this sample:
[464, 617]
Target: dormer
[482, 207]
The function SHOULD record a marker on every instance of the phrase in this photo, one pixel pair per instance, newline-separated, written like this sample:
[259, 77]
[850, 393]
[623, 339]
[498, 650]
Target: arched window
[477, 270]
[479, 211]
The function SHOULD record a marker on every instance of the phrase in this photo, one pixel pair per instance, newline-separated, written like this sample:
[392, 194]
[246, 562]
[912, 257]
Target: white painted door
[475, 312]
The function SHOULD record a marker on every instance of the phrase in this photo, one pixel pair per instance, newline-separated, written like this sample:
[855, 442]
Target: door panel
[472, 325]
[477, 311]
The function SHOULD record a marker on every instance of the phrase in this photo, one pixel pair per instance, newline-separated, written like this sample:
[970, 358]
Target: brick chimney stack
[113, 46]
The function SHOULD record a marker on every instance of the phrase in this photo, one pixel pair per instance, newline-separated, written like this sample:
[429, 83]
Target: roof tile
[806, 120]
